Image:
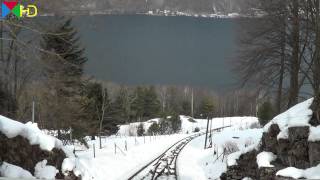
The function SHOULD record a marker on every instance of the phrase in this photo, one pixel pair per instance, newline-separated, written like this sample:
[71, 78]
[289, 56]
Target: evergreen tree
[176, 123]
[137, 105]
[63, 70]
[151, 103]
[174, 102]
[265, 113]
[121, 106]
[186, 108]
[206, 107]
[97, 109]
[153, 129]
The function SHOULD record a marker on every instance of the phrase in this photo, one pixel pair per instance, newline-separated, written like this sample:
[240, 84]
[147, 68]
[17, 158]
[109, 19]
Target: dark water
[159, 50]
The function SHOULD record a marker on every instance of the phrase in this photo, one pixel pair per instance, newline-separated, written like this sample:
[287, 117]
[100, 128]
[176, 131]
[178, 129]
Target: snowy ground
[141, 150]
[188, 126]
[122, 155]
[124, 163]
[197, 163]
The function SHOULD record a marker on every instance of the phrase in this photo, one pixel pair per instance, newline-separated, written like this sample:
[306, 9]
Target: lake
[139, 49]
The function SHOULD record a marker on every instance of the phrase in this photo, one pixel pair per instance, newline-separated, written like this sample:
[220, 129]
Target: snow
[68, 165]
[310, 173]
[198, 163]
[246, 141]
[35, 136]
[265, 158]
[296, 116]
[132, 152]
[11, 171]
[188, 126]
[131, 129]
[232, 158]
[123, 164]
[42, 171]
[314, 134]
[247, 178]
[29, 131]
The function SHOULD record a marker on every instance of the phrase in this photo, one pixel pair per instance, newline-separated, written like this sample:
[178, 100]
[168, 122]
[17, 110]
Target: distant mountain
[221, 7]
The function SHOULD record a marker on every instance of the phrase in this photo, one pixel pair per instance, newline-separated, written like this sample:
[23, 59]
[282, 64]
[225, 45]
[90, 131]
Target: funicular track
[165, 165]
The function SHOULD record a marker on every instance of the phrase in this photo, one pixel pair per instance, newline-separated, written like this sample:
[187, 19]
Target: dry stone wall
[19, 152]
[296, 151]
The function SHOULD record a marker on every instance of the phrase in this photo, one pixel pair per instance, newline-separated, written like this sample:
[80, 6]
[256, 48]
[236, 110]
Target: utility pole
[33, 108]
[205, 142]
[191, 102]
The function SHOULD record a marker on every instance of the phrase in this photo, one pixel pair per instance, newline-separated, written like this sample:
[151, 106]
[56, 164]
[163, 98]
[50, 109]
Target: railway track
[165, 165]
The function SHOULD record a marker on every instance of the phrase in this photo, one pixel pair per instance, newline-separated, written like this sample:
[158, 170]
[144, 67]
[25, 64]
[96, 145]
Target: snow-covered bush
[140, 130]
[153, 129]
[132, 130]
[197, 129]
[230, 147]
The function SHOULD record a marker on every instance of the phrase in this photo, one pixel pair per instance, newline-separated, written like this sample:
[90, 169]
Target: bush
[153, 129]
[265, 113]
[140, 130]
[192, 120]
[230, 147]
[176, 123]
[197, 129]
[165, 127]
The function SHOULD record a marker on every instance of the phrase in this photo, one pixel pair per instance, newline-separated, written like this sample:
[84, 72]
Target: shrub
[197, 129]
[140, 130]
[153, 129]
[175, 123]
[191, 120]
[230, 147]
[265, 113]
[165, 127]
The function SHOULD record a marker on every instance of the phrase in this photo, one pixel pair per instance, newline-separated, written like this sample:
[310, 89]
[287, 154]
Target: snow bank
[42, 171]
[30, 131]
[35, 136]
[310, 173]
[131, 129]
[298, 115]
[232, 158]
[235, 122]
[188, 124]
[12, 171]
[265, 158]
[314, 134]
[246, 140]
[247, 178]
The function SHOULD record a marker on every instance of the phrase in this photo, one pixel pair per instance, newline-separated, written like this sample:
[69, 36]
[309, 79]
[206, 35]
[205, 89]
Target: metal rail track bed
[164, 167]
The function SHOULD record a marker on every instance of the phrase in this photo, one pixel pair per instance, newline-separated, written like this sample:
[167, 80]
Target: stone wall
[244, 167]
[295, 151]
[18, 151]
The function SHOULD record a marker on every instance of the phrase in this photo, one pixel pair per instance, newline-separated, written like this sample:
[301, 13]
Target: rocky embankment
[289, 148]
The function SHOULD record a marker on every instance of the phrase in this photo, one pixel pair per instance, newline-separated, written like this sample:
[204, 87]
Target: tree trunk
[316, 68]
[282, 61]
[295, 62]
